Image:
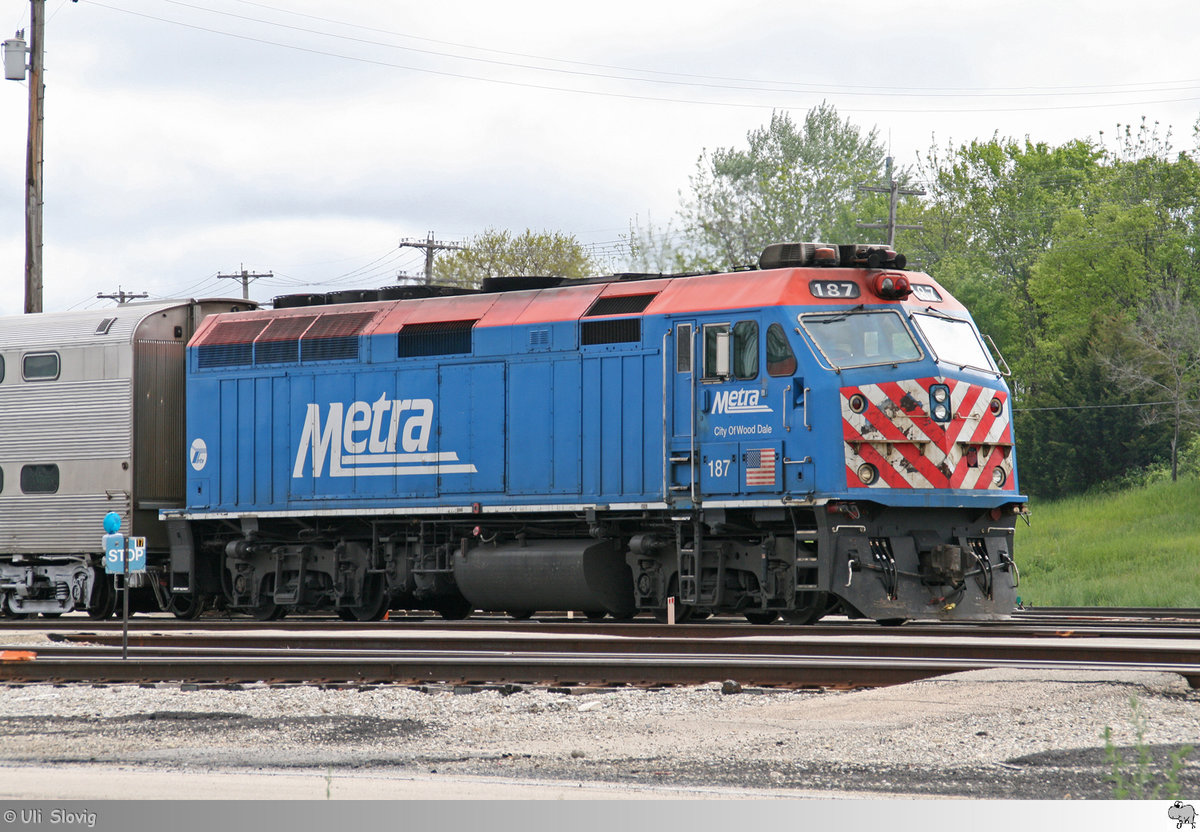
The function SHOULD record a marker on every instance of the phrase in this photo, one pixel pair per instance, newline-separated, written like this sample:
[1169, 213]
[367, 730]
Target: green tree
[1162, 358]
[497, 253]
[791, 182]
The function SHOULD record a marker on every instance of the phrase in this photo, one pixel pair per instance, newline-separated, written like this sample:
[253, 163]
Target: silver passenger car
[91, 421]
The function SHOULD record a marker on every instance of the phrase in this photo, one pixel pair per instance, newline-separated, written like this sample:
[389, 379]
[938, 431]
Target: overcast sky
[306, 138]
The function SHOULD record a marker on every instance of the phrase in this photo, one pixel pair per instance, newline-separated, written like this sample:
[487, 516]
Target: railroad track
[578, 653]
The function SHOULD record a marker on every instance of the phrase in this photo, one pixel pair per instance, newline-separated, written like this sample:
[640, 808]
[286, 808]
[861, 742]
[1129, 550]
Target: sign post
[122, 555]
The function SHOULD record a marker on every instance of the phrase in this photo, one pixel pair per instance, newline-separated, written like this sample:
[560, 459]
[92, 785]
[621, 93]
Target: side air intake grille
[620, 305]
[440, 338]
[622, 331]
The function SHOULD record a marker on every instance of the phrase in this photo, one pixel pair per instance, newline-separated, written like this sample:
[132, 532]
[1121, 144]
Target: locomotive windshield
[861, 339]
[954, 341]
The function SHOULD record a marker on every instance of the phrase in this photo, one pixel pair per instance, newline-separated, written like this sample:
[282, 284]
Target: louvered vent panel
[280, 342]
[621, 305]
[441, 338]
[334, 336]
[623, 331]
[224, 355]
[234, 332]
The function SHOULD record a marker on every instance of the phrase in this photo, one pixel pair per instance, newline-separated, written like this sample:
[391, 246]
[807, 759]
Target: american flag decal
[760, 466]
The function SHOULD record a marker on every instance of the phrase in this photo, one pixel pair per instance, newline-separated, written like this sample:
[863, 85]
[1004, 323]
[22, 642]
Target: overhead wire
[624, 95]
[1056, 89]
[708, 83]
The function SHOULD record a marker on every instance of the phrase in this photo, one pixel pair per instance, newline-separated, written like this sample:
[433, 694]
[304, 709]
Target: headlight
[939, 398]
[867, 473]
[999, 477]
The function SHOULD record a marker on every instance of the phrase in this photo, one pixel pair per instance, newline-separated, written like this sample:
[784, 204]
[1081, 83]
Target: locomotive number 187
[833, 288]
[718, 467]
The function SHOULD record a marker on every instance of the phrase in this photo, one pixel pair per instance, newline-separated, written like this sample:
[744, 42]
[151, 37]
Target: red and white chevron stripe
[896, 434]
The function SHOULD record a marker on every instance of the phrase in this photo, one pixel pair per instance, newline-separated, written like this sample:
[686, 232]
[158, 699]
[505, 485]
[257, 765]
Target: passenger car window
[39, 479]
[40, 366]
[781, 361]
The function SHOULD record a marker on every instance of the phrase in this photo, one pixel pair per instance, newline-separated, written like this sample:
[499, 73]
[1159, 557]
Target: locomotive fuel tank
[589, 575]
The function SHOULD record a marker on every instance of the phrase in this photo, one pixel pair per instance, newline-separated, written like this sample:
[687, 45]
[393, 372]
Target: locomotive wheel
[683, 613]
[7, 612]
[104, 598]
[595, 615]
[267, 611]
[814, 608]
[185, 607]
[762, 616]
[367, 612]
[364, 613]
[375, 605]
[520, 615]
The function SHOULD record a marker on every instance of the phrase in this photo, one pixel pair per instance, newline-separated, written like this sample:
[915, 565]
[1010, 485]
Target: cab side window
[781, 361]
[731, 352]
[683, 348]
[716, 351]
[745, 350]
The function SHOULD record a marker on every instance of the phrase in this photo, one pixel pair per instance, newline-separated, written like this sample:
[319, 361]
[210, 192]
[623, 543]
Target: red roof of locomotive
[571, 301]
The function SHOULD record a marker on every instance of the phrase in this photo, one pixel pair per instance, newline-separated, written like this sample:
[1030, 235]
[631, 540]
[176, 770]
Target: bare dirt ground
[984, 734]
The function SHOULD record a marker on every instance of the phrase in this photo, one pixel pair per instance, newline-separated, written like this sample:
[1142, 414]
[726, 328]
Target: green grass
[1134, 548]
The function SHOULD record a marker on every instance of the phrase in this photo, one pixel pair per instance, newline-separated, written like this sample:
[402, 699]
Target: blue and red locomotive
[826, 432]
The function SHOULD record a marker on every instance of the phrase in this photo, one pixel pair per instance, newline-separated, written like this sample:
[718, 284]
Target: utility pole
[430, 245]
[14, 70]
[893, 190]
[245, 277]
[121, 296]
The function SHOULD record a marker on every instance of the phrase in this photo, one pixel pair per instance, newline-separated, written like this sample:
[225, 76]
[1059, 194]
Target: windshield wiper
[937, 313]
[833, 319]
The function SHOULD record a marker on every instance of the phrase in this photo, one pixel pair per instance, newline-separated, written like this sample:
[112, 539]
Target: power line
[121, 296]
[1104, 406]
[848, 89]
[430, 245]
[651, 98]
[245, 277]
[893, 190]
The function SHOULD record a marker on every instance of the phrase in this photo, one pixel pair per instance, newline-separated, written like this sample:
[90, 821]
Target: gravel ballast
[981, 734]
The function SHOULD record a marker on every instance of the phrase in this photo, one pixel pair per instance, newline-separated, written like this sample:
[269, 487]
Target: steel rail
[1133, 652]
[1040, 626]
[639, 670]
[414, 656]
